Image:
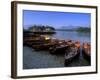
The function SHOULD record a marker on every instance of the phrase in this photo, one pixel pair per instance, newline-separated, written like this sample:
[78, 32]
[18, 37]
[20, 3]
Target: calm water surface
[83, 37]
[43, 59]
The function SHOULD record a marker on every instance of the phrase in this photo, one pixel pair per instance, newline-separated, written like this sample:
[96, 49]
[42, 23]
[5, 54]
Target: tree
[41, 28]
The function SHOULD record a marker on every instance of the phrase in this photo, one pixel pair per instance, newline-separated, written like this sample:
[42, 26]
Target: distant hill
[83, 29]
[78, 29]
[47, 28]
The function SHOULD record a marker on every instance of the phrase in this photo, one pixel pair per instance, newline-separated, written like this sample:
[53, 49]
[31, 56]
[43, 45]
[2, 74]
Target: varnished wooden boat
[86, 50]
[59, 49]
[42, 46]
[45, 45]
[48, 45]
[72, 52]
[36, 40]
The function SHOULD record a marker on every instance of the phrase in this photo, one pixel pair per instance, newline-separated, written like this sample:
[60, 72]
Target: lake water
[73, 35]
[43, 59]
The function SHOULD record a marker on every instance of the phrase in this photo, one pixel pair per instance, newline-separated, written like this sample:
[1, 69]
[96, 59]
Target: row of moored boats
[69, 48]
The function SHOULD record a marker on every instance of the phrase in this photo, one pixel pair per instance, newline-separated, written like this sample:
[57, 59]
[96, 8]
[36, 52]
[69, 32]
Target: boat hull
[42, 47]
[71, 55]
[59, 50]
[86, 50]
[86, 56]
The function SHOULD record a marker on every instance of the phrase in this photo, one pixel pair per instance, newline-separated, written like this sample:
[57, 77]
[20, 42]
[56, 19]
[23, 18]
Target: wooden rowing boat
[40, 47]
[72, 52]
[58, 49]
[86, 50]
[50, 45]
